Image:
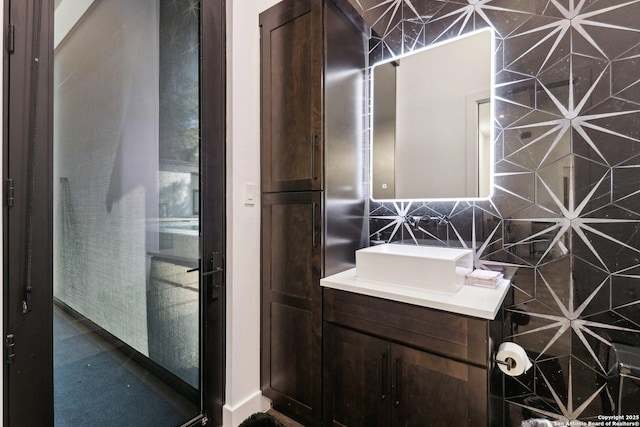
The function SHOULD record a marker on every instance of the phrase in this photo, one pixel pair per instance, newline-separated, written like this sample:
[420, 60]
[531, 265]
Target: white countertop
[470, 300]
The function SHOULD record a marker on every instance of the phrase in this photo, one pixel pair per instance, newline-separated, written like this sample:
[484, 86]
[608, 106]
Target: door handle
[208, 273]
[214, 288]
[314, 138]
[214, 271]
[396, 382]
[314, 242]
[383, 360]
[218, 271]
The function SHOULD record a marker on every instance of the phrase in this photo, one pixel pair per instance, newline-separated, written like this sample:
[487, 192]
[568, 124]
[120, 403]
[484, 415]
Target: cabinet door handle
[383, 358]
[314, 242]
[314, 138]
[396, 382]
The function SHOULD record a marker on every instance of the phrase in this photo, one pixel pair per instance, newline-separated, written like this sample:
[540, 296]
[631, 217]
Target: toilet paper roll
[512, 359]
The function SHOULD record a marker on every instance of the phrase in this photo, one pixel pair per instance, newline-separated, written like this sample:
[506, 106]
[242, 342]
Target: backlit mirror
[432, 122]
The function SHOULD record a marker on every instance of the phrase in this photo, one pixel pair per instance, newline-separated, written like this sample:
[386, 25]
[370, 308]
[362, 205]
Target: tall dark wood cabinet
[313, 59]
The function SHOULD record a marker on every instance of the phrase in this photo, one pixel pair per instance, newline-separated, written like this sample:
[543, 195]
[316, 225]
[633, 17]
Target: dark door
[291, 40]
[291, 313]
[357, 382]
[432, 390]
[74, 201]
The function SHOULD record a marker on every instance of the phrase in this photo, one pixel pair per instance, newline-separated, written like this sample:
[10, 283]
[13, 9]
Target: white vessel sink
[426, 267]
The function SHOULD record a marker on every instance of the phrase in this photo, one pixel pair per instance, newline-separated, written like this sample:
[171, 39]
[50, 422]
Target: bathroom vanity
[390, 363]
[413, 348]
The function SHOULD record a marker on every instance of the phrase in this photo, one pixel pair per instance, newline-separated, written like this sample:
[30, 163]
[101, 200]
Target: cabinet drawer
[452, 335]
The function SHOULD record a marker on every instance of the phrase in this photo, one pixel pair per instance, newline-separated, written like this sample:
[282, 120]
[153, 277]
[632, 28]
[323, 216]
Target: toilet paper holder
[511, 359]
[509, 362]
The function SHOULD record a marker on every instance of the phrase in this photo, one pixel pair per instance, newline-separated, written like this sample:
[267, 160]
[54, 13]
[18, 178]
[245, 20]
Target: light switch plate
[250, 193]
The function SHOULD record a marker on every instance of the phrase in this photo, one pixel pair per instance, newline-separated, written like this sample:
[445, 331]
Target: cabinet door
[291, 303]
[291, 73]
[356, 378]
[431, 390]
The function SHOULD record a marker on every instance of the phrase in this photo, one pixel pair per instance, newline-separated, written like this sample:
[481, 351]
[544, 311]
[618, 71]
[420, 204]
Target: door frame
[213, 202]
[28, 380]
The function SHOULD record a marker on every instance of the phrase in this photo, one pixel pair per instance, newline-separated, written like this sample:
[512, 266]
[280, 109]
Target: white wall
[243, 396]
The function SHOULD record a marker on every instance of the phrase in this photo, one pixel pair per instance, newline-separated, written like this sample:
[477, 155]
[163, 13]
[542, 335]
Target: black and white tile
[566, 207]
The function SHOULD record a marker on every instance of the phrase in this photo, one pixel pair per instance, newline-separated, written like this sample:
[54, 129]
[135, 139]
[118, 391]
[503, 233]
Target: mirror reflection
[432, 126]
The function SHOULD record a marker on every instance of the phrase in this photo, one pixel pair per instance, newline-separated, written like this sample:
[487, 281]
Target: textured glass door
[127, 317]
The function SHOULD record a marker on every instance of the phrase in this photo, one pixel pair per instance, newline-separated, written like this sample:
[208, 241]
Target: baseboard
[232, 416]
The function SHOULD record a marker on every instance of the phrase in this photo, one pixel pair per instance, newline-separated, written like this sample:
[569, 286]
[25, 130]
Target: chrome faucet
[439, 220]
[443, 219]
[414, 221]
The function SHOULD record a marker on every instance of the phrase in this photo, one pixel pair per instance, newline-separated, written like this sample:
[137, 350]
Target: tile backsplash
[565, 214]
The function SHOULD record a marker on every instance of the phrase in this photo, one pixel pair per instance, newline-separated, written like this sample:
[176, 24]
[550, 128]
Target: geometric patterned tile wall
[565, 215]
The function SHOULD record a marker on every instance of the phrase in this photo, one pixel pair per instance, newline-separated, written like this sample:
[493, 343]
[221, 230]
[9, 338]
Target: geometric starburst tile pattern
[565, 214]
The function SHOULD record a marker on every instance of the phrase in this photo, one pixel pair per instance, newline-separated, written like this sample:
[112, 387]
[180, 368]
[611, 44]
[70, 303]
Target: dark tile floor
[95, 384]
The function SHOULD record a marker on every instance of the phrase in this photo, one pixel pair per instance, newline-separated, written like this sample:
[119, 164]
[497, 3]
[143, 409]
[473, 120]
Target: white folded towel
[484, 278]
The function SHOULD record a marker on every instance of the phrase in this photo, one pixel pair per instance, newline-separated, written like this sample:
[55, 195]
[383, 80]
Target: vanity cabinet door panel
[291, 355]
[291, 243]
[431, 390]
[291, 73]
[357, 381]
[291, 310]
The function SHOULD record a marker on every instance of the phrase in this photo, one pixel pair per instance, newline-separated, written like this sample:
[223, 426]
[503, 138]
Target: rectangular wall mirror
[432, 122]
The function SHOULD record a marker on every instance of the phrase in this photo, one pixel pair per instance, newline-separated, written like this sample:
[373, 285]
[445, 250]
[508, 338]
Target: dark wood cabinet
[291, 318]
[385, 366]
[313, 60]
[433, 390]
[357, 381]
[292, 52]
